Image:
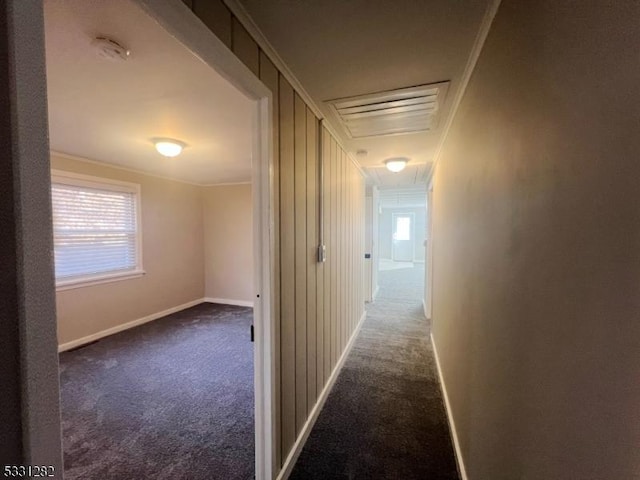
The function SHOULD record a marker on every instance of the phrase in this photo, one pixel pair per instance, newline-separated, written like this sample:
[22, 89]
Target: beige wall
[228, 246]
[173, 258]
[537, 246]
[317, 306]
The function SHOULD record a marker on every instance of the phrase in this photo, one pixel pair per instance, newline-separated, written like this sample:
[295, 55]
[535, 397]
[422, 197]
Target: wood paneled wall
[317, 305]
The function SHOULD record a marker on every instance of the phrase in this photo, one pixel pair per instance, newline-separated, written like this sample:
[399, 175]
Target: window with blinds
[95, 227]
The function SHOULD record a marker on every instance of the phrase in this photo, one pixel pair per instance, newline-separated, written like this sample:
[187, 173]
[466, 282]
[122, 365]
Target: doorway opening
[397, 239]
[163, 264]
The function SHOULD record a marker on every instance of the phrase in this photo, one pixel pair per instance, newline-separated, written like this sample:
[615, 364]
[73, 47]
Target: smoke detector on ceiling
[110, 49]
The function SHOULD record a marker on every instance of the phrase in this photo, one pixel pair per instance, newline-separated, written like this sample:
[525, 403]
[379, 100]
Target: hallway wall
[536, 253]
[317, 305]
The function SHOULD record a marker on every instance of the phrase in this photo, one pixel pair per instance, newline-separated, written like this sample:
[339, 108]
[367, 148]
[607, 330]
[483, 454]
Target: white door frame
[180, 22]
[183, 25]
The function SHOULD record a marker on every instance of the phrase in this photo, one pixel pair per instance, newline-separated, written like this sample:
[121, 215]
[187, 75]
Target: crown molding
[478, 44]
[76, 158]
[238, 10]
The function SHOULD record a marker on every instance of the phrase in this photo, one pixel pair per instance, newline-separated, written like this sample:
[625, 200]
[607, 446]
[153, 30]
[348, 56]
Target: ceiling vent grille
[407, 110]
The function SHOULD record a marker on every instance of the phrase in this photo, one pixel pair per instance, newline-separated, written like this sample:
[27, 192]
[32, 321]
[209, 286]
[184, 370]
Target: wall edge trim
[452, 425]
[126, 326]
[229, 301]
[292, 458]
[478, 44]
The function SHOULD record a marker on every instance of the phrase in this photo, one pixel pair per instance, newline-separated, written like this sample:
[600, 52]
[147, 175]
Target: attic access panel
[407, 110]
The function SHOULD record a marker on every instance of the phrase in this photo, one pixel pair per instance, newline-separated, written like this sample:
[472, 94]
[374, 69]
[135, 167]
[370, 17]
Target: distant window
[96, 229]
[403, 228]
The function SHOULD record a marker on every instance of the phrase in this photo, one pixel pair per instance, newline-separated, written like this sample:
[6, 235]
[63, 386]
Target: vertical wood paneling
[269, 76]
[319, 276]
[245, 48]
[312, 242]
[333, 253]
[300, 207]
[350, 193]
[215, 15]
[340, 230]
[326, 207]
[287, 268]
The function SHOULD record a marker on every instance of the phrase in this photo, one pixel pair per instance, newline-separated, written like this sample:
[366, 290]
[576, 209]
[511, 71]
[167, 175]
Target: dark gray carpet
[171, 399]
[385, 417]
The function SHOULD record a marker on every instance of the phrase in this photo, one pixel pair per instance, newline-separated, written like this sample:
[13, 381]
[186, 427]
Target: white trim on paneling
[481, 37]
[126, 326]
[452, 424]
[291, 459]
[228, 301]
[247, 22]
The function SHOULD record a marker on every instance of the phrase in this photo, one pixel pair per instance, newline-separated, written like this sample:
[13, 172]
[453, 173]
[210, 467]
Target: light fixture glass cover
[396, 165]
[168, 146]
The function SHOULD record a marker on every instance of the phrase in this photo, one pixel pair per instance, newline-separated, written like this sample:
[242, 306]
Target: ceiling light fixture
[396, 165]
[169, 147]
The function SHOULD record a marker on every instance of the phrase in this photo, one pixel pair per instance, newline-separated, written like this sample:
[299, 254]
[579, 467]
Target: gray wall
[537, 246]
[385, 230]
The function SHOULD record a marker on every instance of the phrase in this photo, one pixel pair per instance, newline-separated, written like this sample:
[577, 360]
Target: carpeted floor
[171, 399]
[385, 417]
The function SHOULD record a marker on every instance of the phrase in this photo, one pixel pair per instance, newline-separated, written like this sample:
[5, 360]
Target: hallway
[385, 416]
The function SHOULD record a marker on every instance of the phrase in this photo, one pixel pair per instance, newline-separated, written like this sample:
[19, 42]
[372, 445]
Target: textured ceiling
[340, 48]
[109, 111]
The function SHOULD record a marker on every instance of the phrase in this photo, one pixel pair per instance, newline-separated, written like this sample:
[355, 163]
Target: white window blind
[95, 229]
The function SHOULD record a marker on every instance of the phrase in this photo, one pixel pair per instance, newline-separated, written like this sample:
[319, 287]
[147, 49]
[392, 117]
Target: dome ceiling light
[169, 147]
[396, 165]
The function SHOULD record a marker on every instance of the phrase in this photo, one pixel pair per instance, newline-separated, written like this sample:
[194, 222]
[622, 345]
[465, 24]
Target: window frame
[109, 184]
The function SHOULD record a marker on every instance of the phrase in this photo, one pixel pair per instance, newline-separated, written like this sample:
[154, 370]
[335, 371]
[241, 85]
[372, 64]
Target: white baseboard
[452, 424]
[313, 416]
[228, 301]
[125, 326]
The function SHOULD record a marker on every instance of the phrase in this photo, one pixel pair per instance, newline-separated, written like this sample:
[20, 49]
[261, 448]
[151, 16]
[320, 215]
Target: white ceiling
[109, 111]
[340, 49]
[415, 196]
